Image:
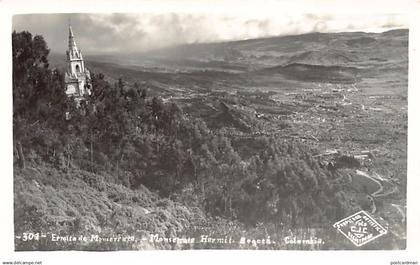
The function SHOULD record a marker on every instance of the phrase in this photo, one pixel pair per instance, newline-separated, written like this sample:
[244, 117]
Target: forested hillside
[125, 162]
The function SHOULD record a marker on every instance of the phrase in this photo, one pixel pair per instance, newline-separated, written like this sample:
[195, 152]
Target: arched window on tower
[77, 68]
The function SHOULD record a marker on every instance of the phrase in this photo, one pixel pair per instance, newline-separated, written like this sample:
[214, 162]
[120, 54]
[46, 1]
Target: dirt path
[400, 210]
[381, 193]
[381, 187]
[376, 193]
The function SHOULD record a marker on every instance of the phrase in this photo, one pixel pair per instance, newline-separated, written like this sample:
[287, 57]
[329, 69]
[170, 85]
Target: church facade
[77, 78]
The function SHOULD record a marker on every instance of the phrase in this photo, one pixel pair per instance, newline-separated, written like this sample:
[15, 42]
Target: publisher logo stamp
[360, 228]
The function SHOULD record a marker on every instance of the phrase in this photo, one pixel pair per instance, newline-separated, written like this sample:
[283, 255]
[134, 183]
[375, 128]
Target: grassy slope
[79, 202]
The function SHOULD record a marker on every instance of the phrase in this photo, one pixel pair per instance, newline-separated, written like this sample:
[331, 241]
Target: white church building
[77, 78]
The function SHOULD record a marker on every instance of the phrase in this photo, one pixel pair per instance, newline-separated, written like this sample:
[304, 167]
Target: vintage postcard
[192, 129]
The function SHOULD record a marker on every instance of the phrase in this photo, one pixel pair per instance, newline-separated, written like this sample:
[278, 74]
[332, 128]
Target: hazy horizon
[137, 33]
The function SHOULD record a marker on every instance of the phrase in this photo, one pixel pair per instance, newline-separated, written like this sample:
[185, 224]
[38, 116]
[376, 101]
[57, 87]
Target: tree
[30, 84]
[29, 70]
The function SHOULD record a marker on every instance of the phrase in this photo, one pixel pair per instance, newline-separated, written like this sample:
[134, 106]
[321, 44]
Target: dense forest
[122, 136]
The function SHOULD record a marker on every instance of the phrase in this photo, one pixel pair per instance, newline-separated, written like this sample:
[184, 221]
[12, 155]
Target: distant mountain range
[325, 57]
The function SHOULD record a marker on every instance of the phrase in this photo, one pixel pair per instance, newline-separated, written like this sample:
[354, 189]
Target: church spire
[77, 78]
[72, 43]
[70, 32]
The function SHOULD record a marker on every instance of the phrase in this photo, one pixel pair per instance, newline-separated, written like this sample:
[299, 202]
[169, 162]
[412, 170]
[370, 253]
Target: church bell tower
[77, 78]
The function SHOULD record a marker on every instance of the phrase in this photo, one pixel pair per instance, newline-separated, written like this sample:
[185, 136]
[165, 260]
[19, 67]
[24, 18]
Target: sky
[98, 33]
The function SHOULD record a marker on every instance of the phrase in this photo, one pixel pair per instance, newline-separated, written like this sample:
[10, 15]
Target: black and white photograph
[226, 130]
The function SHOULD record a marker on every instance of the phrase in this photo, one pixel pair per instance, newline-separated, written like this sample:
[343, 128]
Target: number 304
[30, 236]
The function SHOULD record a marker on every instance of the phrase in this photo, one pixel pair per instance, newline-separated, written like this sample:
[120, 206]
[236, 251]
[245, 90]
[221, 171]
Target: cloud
[127, 32]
